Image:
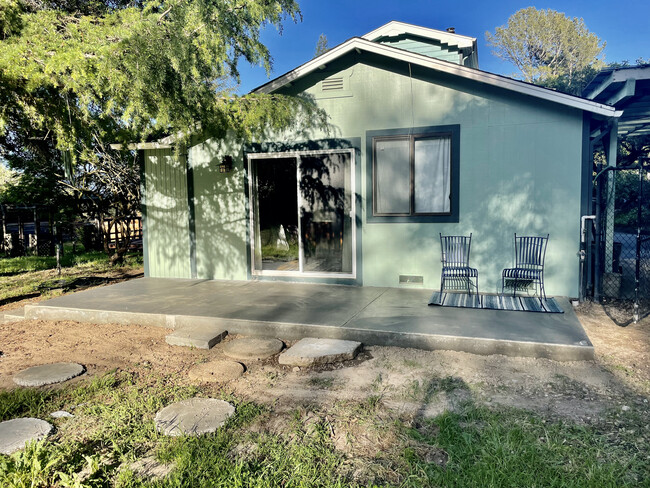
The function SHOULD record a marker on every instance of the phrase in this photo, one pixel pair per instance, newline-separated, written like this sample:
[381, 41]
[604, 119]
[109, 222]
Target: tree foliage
[321, 45]
[76, 75]
[549, 48]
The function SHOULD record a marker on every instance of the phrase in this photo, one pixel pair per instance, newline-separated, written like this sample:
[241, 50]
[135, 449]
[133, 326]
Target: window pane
[432, 183]
[392, 176]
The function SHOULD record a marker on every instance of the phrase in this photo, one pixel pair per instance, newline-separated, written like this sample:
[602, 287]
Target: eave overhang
[361, 45]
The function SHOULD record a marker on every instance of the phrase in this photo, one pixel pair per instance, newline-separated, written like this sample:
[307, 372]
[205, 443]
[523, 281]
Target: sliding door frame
[253, 204]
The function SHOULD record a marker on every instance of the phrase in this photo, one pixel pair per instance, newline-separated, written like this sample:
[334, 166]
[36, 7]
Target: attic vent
[332, 84]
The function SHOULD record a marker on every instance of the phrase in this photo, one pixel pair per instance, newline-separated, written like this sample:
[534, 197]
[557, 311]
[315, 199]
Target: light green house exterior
[523, 165]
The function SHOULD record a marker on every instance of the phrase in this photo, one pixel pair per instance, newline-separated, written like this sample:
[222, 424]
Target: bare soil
[407, 381]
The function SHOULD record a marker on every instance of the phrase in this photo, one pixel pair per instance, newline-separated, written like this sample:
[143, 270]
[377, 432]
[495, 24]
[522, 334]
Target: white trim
[251, 213]
[142, 145]
[396, 28]
[441, 66]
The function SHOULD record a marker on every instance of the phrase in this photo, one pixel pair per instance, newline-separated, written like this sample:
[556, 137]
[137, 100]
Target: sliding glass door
[302, 215]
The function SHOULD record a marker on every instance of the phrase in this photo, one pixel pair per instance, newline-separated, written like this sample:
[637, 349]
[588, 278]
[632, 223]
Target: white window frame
[252, 195]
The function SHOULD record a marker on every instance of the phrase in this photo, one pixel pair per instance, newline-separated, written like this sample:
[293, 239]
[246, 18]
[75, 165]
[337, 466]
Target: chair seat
[522, 273]
[459, 272]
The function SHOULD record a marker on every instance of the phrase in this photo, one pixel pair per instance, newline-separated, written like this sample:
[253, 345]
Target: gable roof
[362, 45]
[396, 28]
[466, 45]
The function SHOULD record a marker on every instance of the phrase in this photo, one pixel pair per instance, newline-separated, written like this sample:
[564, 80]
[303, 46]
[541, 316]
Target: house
[423, 142]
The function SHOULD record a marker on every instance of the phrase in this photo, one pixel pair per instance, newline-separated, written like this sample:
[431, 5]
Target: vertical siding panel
[167, 214]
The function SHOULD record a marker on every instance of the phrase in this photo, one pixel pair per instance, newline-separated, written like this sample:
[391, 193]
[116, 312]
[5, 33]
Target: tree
[76, 75]
[321, 45]
[549, 48]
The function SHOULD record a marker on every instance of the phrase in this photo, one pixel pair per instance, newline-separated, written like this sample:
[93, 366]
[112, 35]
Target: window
[414, 175]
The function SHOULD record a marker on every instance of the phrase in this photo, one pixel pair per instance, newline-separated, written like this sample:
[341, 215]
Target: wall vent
[332, 84]
[411, 280]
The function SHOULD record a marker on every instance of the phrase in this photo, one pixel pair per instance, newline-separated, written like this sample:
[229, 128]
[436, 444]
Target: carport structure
[628, 90]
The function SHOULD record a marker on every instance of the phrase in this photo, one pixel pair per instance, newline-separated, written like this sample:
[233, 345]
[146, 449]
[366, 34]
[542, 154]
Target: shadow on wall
[519, 172]
[166, 215]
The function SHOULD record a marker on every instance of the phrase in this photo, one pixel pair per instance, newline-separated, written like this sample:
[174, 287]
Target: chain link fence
[622, 245]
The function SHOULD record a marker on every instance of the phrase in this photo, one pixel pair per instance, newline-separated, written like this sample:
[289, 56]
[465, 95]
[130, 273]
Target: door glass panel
[276, 214]
[325, 212]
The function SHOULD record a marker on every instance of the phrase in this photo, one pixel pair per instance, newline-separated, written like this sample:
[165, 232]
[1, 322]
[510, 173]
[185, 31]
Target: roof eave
[485, 77]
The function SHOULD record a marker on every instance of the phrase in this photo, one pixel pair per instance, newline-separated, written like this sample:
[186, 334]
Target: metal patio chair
[529, 265]
[455, 264]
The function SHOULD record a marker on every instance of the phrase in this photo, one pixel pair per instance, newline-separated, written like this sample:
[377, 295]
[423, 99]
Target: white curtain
[392, 174]
[432, 182]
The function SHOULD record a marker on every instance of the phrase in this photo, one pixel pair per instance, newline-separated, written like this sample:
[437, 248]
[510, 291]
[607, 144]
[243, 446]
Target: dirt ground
[407, 381]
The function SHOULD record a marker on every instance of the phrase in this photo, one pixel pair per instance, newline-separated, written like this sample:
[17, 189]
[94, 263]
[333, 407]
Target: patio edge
[294, 331]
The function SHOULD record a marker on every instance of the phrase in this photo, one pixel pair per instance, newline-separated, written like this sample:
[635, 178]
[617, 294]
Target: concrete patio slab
[14, 315]
[291, 311]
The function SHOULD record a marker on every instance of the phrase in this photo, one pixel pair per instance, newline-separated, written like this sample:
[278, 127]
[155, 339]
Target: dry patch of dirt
[407, 381]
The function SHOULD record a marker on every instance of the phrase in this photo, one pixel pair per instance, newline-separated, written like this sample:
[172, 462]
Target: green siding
[166, 215]
[427, 47]
[520, 171]
[520, 166]
[220, 212]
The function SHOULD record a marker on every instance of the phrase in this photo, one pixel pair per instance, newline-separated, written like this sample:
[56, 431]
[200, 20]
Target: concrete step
[201, 335]
[14, 315]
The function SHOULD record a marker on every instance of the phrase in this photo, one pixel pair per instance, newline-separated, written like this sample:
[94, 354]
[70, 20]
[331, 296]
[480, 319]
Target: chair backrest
[530, 252]
[455, 250]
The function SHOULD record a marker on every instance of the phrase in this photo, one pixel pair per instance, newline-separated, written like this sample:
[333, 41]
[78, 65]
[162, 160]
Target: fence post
[637, 271]
[58, 246]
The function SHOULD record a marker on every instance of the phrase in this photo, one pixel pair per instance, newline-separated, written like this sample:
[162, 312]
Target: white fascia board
[141, 145]
[395, 28]
[440, 66]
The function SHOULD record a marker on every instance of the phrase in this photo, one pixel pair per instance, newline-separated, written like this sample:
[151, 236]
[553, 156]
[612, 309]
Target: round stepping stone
[216, 371]
[16, 433]
[195, 416]
[311, 351]
[47, 374]
[252, 348]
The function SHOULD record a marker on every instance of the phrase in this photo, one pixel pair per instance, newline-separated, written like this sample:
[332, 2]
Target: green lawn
[479, 447]
[27, 276]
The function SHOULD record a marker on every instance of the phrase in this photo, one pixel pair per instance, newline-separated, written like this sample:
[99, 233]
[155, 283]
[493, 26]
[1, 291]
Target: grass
[29, 276]
[513, 448]
[475, 446]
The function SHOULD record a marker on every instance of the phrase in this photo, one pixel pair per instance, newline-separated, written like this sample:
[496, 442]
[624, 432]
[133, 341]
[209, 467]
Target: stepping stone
[201, 336]
[150, 468]
[252, 348]
[47, 374]
[16, 433]
[311, 351]
[195, 416]
[216, 371]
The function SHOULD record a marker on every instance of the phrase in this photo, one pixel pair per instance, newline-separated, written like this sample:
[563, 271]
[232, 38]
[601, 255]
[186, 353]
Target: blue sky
[624, 25]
